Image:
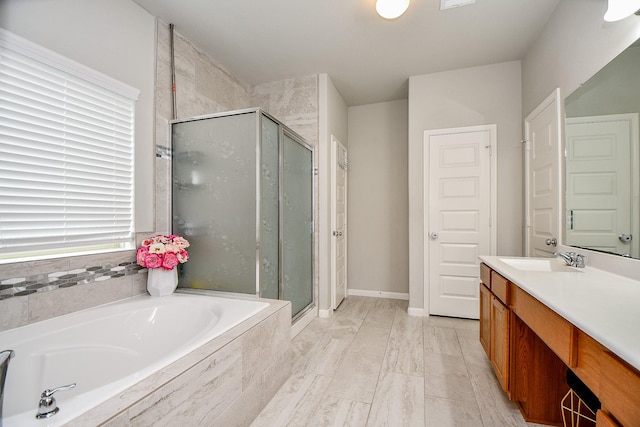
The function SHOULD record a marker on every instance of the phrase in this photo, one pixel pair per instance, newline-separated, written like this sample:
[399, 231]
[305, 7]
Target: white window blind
[66, 153]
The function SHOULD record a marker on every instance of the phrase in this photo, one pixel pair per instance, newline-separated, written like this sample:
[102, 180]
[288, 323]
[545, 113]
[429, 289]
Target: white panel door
[602, 174]
[459, 216]
[543, 183]
[338, 222]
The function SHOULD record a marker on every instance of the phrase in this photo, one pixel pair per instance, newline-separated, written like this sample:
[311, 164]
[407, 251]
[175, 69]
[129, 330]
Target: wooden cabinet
[538, 376]
[499, 342]
[531, 347]
[495, 318]
[485, 308]
[555, 331]
[604, 420]
[619, 389]
[485, 318]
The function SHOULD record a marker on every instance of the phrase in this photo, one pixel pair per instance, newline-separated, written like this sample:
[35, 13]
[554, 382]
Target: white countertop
[603, 305]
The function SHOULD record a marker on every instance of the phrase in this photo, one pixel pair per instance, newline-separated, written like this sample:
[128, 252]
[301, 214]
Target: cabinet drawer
[500, 288]
[604, 420]
[619, 390]
[485, 275]
[555, 331]
[588, 361]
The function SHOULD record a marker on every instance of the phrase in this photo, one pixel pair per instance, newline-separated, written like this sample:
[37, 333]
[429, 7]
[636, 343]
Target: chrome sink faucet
[571, 258]
[5, 358]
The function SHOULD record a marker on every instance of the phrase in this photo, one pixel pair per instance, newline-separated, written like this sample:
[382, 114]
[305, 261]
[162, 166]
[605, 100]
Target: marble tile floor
[371, 364]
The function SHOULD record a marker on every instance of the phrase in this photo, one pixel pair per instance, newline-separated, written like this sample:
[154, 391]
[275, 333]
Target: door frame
[493, 191]
[554, 97]
[334, 197]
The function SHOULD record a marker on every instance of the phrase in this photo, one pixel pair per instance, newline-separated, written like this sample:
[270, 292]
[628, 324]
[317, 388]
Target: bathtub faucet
[5, 357]
[48, 406]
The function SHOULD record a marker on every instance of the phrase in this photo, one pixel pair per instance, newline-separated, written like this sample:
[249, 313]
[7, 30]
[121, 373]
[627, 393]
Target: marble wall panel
[264, 344]
[217, 380]
[14, 312]
[45, 305]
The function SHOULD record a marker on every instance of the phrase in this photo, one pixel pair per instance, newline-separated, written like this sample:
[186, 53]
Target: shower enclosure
[242, 194]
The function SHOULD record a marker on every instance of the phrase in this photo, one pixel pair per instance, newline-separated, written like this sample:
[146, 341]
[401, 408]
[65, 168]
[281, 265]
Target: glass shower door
[214, 201]
[297, 223]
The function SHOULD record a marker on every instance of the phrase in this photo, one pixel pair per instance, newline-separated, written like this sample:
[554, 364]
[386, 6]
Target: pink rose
[183, 256]
[180, 242]
[170, 261]
[153, 261]
[141, 255]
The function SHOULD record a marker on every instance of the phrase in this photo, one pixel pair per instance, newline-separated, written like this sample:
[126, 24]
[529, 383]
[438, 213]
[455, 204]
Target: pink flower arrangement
[163, 252]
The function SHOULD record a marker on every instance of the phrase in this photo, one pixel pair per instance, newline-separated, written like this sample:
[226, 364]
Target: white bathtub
[107, 349]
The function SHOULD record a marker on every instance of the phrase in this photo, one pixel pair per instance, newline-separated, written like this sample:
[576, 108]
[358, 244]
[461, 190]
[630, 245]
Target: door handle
[552, 242]
[434, 235]
[337, 233]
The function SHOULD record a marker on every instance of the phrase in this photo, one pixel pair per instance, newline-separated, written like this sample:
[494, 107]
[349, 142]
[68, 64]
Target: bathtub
[108, 349]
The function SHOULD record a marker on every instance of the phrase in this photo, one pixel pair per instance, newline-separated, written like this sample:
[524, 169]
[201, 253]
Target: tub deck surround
[601, 304]
[225, 381]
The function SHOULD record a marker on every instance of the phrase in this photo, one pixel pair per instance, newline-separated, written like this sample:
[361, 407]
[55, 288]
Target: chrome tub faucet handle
[47, 406]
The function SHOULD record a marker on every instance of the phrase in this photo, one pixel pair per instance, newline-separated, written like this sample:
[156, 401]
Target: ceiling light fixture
[391, 9]
[620, 9]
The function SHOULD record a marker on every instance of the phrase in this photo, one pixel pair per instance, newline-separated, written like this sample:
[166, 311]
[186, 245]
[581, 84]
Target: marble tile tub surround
[21, 286]
[372, 364]
[25, 296]
[226, 382]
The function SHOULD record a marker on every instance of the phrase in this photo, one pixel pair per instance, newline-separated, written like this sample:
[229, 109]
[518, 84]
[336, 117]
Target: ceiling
[368, 58]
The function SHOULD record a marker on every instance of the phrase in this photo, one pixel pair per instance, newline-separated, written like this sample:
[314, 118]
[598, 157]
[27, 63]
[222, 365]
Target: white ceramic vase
[161, 282]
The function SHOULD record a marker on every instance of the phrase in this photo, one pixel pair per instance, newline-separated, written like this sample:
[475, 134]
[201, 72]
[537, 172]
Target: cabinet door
[485, 319]
[499, 342]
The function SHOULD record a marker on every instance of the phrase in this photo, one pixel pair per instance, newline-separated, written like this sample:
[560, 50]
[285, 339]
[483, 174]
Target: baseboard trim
[411, 311]
[378, 294]
[325, 314]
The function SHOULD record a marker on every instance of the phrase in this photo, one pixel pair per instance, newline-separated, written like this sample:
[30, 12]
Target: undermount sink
[538, 264]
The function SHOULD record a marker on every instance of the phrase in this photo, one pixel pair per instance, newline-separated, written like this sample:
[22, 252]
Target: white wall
[332, 121]
[115, 37]
[466, 97]
[378, 233]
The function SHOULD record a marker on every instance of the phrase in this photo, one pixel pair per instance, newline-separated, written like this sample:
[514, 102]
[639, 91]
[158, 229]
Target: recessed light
[450, 4]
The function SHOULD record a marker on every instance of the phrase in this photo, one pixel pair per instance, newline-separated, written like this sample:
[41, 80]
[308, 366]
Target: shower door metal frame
[282, 131]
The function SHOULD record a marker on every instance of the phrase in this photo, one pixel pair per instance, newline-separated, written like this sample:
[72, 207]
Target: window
[66, 154]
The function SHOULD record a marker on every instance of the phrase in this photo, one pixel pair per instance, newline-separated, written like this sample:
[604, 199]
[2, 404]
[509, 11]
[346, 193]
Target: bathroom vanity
[539, 317]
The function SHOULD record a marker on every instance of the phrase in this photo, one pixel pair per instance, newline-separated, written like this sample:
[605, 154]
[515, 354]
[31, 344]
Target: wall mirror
[602, 181]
